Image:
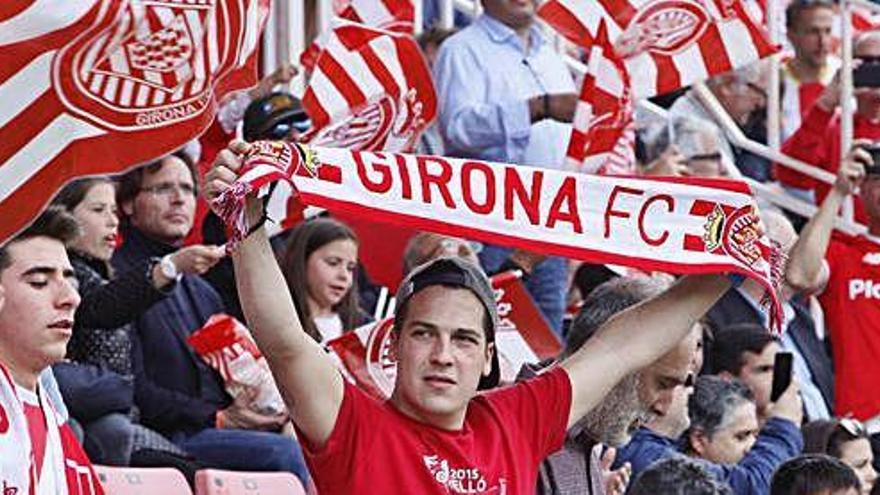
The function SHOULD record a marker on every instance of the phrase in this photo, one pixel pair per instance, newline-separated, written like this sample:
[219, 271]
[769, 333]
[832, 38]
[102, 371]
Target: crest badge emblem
[665, 27]
[149, 64]
[384, 123]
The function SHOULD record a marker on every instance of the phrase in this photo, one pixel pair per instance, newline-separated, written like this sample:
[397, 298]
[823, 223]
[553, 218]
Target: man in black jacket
[176, 392]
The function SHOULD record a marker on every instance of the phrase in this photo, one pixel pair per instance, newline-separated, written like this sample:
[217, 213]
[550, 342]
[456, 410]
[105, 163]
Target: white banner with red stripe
[666, 44]
[370, 89]
[674, 225]
[95, 86]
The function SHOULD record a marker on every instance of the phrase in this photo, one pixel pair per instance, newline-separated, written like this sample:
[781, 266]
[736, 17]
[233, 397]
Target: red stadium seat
[217, 482]
[142, 481]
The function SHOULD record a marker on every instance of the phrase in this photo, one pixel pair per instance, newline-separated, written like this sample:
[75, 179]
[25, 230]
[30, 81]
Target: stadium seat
[218, 482]
[142, 481]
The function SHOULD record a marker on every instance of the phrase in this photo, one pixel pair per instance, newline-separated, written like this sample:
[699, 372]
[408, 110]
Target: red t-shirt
[817, 142]
[851, 301]
[507, 433]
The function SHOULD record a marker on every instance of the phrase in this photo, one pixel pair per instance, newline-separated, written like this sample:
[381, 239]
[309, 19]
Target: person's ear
[127, 207]
[490, 351]
[393, 341]
[698, 441]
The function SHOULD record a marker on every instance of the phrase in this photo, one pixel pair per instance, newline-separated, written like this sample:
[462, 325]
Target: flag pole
[773, 104]
[846, 93]
[447, 14]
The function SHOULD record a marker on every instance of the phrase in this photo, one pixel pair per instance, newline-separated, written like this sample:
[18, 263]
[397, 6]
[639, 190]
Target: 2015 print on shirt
[461, 480]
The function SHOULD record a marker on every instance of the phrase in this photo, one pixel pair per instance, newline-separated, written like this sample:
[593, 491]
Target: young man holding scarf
[39, 453]
[436, 434]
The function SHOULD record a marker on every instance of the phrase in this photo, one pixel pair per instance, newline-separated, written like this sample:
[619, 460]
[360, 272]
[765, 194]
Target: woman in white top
[319, 263]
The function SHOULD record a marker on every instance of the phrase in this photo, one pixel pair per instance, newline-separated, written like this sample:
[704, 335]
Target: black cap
[263, 114]
[455, 271]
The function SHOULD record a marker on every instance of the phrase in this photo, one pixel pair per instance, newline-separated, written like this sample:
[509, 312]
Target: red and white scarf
[676, 225]
[70, 468]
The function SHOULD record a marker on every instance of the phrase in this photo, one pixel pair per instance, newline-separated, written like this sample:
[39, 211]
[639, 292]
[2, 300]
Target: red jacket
[817, 142]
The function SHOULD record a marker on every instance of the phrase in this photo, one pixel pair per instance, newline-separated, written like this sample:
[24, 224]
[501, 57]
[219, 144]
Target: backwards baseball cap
[453, 271]
[263, 116]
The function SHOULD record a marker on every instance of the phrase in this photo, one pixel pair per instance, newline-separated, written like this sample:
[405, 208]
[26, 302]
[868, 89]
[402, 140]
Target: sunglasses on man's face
[284, 128]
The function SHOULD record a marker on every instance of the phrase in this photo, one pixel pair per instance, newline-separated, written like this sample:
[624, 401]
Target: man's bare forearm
[805, 259]
[308, 379]
[265, 298]
[649, 330]
[637, 337]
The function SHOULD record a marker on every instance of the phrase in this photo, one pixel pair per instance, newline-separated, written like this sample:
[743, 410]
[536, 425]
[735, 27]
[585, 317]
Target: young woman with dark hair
[319, 264]
[97, 380]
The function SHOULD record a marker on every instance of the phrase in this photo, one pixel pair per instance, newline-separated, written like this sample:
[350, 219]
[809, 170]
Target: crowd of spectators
[663, 384]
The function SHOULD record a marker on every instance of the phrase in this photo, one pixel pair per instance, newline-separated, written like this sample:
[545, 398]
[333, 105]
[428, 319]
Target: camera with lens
[867, 74]
[874, 151]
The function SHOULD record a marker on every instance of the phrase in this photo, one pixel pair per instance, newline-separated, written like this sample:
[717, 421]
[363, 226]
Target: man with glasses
[176, 393]
[742, 93]
[694, 144]
[278, 116]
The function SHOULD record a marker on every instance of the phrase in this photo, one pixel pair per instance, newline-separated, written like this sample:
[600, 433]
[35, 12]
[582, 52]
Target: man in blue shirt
[506, 95]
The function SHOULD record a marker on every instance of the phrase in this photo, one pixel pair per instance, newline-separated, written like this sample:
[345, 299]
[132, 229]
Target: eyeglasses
[169, 189]
[852, 426]
[279, 131]
[715, 157]
[757, 89]
[283, 129]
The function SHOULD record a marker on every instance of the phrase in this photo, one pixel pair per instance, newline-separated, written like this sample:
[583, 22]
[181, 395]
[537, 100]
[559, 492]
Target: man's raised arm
[309, 381]
[637, 337]
[806, 270]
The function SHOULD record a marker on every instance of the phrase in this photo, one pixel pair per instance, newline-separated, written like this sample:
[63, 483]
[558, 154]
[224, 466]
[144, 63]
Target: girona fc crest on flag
[665, 27]
[385, 124]
[152, 66]
[163, 51]
[96, 86]
[370, 90]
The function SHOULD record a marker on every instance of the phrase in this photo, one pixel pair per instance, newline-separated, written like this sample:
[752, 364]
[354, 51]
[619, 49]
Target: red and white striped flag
[603, 132]
[95, 86]
[370, 90]
[667, 43]
[390, 15]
